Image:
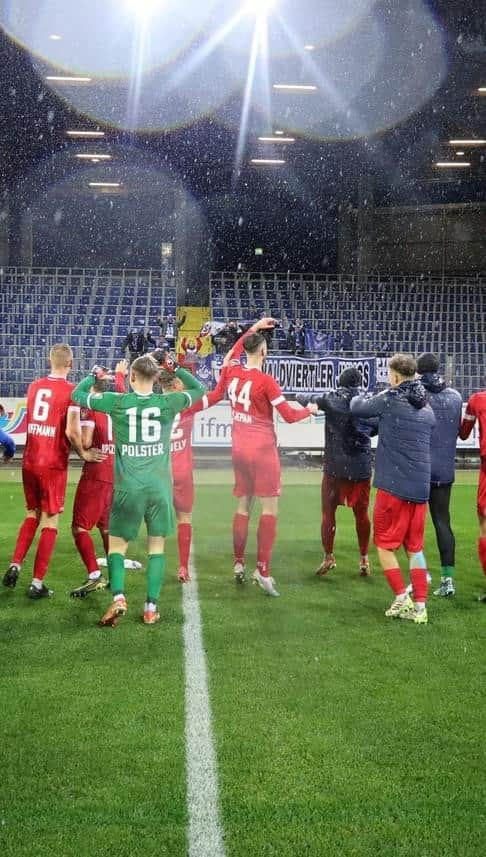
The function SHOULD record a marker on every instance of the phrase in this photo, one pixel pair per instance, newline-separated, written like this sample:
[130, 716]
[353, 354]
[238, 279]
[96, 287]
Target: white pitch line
[205, 835]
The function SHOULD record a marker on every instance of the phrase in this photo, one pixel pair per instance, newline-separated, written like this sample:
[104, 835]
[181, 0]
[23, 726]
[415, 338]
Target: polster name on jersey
[143, 451]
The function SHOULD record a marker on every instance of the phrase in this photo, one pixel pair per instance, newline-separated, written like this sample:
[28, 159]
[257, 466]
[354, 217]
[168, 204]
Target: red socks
[482, 553]
[184, 538]
[418, 579]
[240, 536]
[395, 579]
[363, 529]
[267, 531]
[47, 540]
[24, 540]
[85, 546]
[328, 530]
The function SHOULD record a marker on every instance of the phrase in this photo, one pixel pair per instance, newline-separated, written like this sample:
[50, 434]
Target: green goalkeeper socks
[116, 573]
[155, 575]
[447, 571]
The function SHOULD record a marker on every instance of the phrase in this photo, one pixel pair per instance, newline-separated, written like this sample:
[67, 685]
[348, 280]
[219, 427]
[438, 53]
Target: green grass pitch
[338, 732]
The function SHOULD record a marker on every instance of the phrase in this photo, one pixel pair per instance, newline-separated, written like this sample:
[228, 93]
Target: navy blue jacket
[347, 453]
[8, 444]
[405, 424]
[446, 404]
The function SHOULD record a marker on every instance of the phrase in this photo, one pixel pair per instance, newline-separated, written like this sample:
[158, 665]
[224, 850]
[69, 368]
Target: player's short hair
[427, 362]
[145, 367]
[253, 342]
[167, 379]
[350, 378]
[404, 364]
[61, 355]
[101, 385]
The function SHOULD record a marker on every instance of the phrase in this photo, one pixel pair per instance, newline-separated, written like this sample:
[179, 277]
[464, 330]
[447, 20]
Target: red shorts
[92, 504]
[398, 522]
[45, 490]
[257, 472]
[481, 498]
[344, 492]
[183, 490]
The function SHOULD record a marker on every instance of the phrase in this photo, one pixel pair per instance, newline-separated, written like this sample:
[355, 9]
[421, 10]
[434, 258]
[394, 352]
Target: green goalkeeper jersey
[142, 427]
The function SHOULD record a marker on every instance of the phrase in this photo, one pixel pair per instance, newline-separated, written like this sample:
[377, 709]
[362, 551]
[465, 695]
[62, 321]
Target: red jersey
[180, 444]
[253, 395]
[48, 402]
[99, 471]
[475, 410]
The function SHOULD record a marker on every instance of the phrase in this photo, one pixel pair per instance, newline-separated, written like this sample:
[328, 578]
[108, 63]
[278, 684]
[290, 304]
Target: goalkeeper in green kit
[142, 423]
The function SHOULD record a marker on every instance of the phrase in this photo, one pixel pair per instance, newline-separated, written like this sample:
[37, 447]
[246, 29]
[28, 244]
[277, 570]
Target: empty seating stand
[92, 309]
[411, 314]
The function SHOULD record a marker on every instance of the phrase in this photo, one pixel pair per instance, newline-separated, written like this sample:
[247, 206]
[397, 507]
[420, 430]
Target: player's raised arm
[82, 395]
[235, 353]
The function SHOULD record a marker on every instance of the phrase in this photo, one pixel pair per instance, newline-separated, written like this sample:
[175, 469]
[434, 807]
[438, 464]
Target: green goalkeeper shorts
[130, 508]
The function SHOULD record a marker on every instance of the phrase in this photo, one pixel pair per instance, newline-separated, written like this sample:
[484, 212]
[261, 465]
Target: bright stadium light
[105, 184]
[85, 134]
[471, 142]
[55, 37]
[261, 162]
[452, 164]
[85, 156]
[276, 139]
[68, 78]
[482, 90]
[459, 154]
[294, 87]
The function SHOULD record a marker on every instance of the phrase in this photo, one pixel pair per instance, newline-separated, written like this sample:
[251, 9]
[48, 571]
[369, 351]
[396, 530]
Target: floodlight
[452, 164]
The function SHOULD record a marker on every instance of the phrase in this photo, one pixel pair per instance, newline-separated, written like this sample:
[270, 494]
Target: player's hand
[264, 324]
[312, 408]
[122, 367]
[93, 454]
[7, 458]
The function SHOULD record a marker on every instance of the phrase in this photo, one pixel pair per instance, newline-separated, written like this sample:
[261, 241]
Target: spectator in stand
[296, 337]
[149, 342]
[347, 340]
[169, 328]
[224, 340]
[331, 342]
[131, 342]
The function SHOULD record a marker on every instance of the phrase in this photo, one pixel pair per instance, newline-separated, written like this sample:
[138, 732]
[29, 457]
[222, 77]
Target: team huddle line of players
[136, 447]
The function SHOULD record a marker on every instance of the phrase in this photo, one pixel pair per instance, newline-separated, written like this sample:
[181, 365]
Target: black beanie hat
[427, 363]
[350, 378]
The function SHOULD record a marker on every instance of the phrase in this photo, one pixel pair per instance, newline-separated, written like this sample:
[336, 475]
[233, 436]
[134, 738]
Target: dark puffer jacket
[405, 424]
[347, 453]
[446, 404]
